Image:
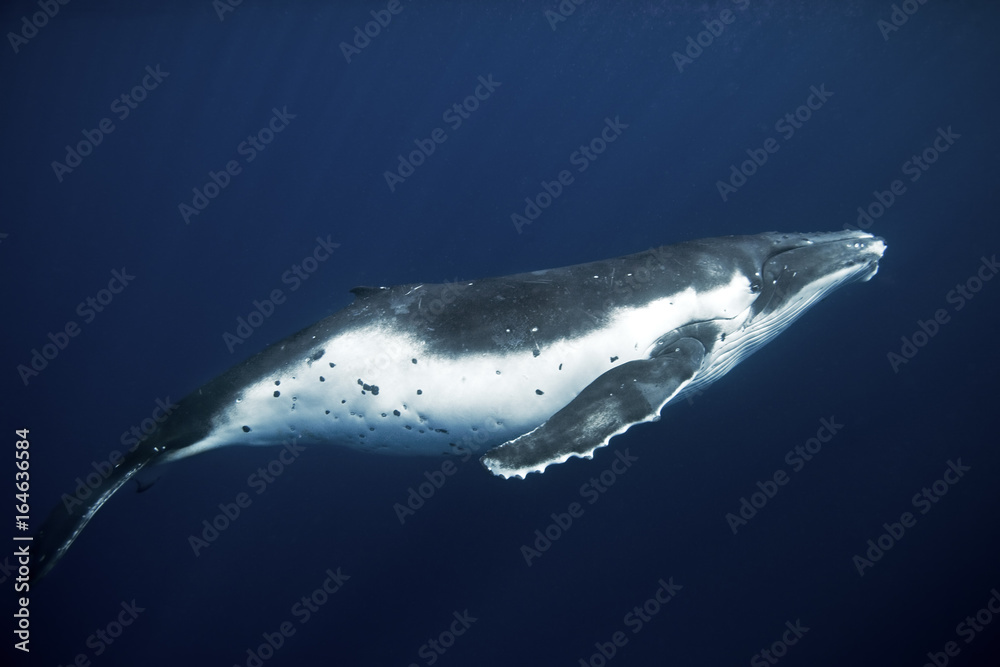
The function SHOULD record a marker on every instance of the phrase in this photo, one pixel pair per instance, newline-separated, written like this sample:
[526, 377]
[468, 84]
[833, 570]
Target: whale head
[787, 274]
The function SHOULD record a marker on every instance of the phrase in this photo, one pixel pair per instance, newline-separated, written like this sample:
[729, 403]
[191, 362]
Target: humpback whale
[538, 367]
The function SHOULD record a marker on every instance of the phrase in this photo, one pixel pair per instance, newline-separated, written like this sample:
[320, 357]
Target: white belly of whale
[376, 398]
[377, 389]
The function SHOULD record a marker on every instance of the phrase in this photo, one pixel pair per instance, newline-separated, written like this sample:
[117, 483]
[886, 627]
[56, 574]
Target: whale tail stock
[177, 437]
[66, 521]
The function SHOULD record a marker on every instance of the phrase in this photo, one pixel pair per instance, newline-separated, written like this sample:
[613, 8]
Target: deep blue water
[344, 124]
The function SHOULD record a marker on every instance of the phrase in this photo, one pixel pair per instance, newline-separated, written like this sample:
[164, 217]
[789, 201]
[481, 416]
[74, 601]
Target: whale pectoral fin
[629, 394]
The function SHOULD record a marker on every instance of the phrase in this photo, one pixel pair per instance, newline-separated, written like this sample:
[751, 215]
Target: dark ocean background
[323, 176]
